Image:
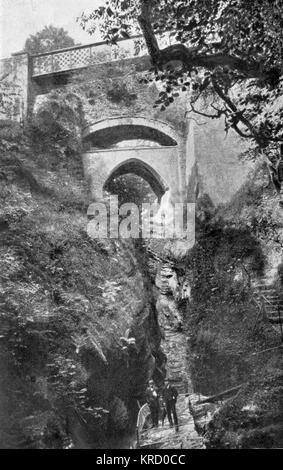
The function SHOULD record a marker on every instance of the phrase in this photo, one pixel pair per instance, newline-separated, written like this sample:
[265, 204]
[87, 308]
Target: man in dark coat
[170, 395]
[153, 402]
[280, 174]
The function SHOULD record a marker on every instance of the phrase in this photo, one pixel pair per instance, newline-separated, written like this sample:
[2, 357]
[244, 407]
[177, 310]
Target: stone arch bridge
[151, 152]
[124, 132]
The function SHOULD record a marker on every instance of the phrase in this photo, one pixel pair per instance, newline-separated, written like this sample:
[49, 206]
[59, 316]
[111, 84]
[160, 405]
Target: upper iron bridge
[77, 57]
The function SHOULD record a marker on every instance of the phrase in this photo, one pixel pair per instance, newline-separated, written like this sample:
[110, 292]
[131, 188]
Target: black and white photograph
[141, 227]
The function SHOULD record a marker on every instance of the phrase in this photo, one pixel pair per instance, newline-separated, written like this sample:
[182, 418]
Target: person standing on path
[153, 402]
[170, 395]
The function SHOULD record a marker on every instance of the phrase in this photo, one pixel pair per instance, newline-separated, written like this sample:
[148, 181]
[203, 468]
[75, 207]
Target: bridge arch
[150, 149]
[108, 132]
[142, 169]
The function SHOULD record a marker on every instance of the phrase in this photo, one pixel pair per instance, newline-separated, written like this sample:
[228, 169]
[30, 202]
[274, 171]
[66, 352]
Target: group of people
[162, 404]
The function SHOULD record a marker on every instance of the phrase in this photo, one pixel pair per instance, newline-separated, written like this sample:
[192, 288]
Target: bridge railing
[77, 57]
[82, 56]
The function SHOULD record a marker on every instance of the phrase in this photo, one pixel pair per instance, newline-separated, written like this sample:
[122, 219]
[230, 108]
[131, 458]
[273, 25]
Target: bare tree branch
[190, 58]
[240, 116]
[211, 116]
[241, 133]
[144, 20]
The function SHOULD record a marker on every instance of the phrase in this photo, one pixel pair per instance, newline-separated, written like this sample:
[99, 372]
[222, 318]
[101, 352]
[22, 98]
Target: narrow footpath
[174, 346]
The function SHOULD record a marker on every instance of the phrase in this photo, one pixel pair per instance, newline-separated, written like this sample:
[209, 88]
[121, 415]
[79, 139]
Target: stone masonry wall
[14, 87]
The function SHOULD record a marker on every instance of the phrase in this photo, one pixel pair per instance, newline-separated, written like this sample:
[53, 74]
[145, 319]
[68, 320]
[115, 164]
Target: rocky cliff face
[79, 333]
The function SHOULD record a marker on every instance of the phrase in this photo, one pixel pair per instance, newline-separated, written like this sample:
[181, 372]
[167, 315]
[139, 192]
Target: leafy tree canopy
[227, 52]
[48, 39]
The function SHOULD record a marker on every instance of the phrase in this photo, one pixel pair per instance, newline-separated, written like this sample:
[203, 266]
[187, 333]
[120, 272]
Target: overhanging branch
[240, 117]
[217, 115]
[189, 57]
[144, 20]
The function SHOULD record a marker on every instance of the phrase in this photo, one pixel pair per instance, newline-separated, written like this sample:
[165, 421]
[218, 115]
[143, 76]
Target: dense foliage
[48, 39]
[227, 52]
[131, 188]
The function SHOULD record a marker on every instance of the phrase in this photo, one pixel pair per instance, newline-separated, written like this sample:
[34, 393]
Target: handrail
[82, 56]
[142, 415]
[127, 149]
[82, 46]
[220, 395]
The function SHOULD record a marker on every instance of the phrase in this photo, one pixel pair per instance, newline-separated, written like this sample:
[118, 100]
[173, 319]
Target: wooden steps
[271, 301]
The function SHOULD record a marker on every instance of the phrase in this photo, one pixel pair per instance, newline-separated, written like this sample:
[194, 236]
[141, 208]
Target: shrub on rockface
[11, 133]
[119, 420]
[254, 418]
[57, 125]
[221, 315]
[131, 188]
[223, 259]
